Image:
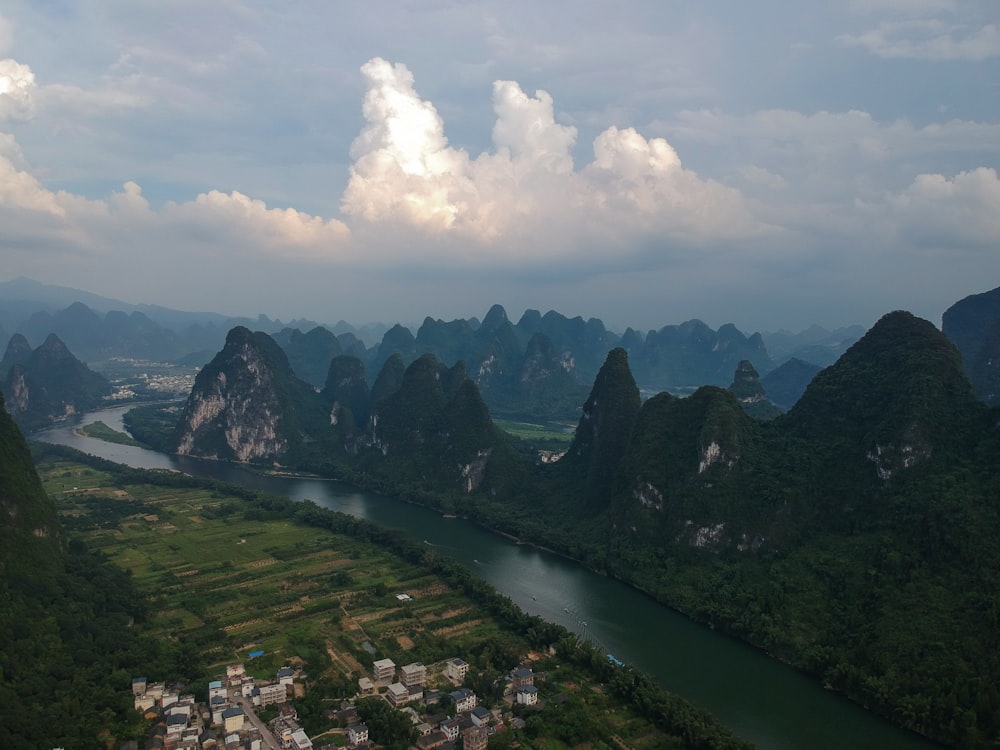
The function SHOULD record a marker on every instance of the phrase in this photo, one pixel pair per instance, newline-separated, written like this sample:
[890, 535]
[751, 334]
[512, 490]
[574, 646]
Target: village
[230, 719]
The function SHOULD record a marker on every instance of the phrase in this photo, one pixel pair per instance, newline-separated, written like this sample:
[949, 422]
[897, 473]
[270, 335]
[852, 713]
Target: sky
[646, 162]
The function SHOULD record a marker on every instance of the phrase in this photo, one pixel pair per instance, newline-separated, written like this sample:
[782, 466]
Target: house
[246, 689]
[456, 670]
[522, 676]
[413, 674]
[176, 724]
[475, 738]
[450, 729]
[300, 740]
[527, 695]
[432, 740]
[215, 689]
[286, 675]
[271, 694]
[218, 704]
[138, 685]
[465, 700]
[397, 694]
[144, 702]
[480, 716]
[155, 689]
[235, 672]
[232, 719]
[384, 670]
[357, 733]
[366, 686]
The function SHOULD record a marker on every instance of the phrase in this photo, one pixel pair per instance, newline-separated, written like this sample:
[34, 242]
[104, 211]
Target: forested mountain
[973, 326]
[47, 383]
[66, 619]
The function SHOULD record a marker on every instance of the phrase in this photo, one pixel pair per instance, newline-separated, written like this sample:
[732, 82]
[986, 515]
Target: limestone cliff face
[48, 383]
[242, 406]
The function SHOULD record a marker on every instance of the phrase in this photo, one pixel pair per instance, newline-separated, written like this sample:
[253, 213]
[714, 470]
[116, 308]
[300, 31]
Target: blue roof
[230, 712]
[255, 654]
[215, 684]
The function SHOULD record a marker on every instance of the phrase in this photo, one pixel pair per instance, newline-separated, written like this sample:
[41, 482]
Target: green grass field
[101, 431]
[263, 584]
[543, 435]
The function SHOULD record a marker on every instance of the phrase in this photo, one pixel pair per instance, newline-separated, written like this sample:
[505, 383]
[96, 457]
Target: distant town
[240, 712]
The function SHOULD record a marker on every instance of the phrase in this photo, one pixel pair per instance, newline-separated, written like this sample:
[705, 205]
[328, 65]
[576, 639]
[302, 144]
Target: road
[268, 739]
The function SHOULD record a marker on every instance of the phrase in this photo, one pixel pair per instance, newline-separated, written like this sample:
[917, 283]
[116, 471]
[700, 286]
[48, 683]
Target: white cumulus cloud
[960, 211]
[525, 196]
[17, 90]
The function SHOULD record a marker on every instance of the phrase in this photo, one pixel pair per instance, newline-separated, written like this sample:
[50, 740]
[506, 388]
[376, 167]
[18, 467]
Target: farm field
[233, 581]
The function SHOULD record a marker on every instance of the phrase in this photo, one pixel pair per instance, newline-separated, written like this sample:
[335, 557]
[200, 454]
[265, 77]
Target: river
[756, 697]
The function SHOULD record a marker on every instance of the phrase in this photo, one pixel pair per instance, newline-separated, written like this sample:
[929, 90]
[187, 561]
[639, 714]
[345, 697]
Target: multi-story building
[413, 674]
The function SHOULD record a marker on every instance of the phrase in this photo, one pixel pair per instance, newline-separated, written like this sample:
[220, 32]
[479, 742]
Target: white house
[450, 729]
[527, 695]
[465, 700]
[357, 733]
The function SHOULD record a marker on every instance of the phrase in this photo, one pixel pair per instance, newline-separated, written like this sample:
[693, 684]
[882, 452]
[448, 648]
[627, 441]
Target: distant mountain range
[538, 368]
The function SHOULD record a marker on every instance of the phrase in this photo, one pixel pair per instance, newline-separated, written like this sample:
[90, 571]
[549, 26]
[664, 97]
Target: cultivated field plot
[221, 576]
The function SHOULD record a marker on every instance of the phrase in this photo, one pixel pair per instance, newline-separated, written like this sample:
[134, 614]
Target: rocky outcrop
[49, 383]
[746, 383]
[245, 404]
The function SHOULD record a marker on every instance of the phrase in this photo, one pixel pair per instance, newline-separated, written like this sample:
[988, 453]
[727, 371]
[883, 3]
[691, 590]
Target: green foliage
[101, 431]
[153, 424]
[386, 726]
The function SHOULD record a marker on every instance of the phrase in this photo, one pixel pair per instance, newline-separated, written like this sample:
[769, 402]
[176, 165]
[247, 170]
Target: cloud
[525, 196]
[962, 211]
[17, 89]
[928, 39]
[230, 225]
